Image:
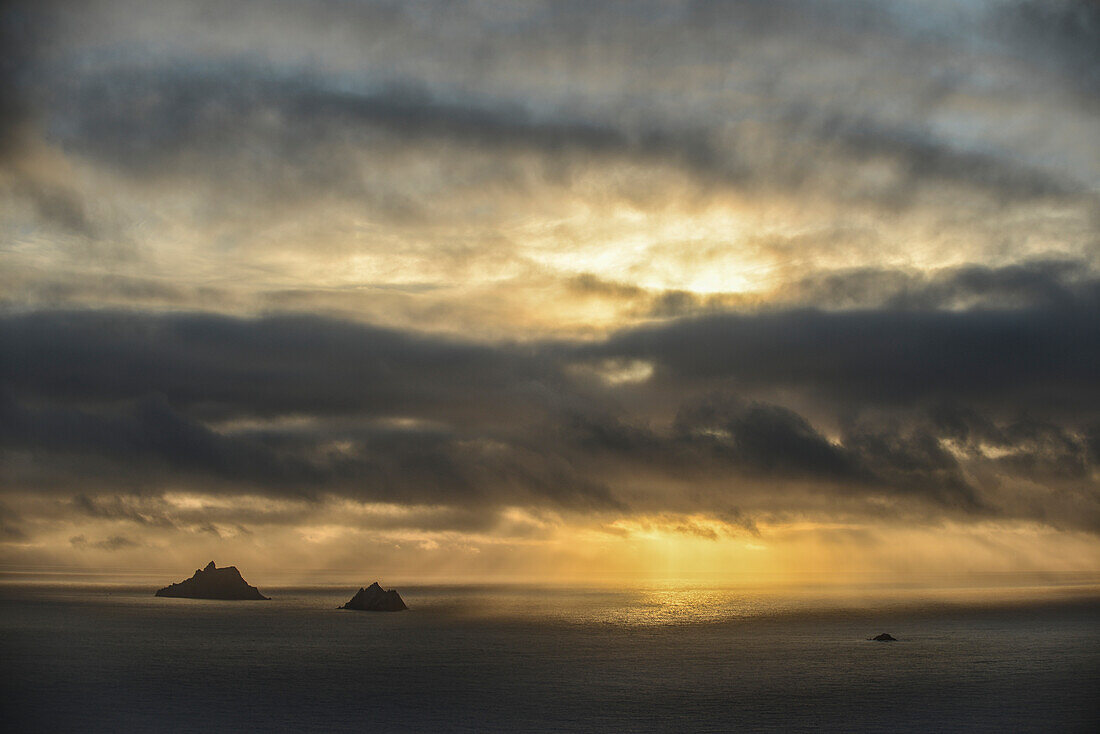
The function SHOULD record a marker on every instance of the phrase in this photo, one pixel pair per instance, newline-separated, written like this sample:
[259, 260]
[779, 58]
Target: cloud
[355, 161]
[284, 128]
[883, 355]
[917, 408]
[118, 508]
[294, 137]
[747, 447]
[148, 430]
[768, 439]
[113, 543]
[264, 366]
[213, 114]
[1053, 283]
[1063, 36]
[718, 265]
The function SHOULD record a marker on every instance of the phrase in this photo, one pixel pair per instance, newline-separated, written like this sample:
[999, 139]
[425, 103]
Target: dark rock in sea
[884, 638]
[376, 599]
[213, 583]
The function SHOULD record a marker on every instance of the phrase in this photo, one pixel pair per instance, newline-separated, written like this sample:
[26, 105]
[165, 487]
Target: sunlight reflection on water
[678, 604]
[682, 606]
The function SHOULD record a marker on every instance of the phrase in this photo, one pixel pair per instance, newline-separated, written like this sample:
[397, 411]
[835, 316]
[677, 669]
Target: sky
[551, 290]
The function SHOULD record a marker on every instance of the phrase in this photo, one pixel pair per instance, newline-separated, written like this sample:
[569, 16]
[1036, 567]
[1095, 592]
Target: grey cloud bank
[934, 407]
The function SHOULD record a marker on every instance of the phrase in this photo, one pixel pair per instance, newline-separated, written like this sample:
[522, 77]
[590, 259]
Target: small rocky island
[213, 583]
[884, 637]
[376, 599]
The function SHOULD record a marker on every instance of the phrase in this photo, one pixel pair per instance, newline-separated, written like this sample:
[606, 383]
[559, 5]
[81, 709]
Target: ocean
[672, 658]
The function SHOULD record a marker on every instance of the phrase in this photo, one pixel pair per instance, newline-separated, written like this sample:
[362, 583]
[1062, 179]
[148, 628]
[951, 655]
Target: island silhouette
[213, 583]
[376, 599]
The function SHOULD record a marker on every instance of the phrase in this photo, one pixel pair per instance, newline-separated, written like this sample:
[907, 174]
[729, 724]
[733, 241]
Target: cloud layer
[911, 411]
[477, 274]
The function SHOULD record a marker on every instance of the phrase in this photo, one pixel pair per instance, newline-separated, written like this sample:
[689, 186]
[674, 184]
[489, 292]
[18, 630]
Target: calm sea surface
[94, 657]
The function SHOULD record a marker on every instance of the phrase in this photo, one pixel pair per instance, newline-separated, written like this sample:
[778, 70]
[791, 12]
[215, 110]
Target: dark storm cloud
[767, 439]
[230, 368]
[147, 431]
[264, 366]
[723, 435]
[1046, 451]
[143, 444]
[76, 381]
[280, 365]
[1030, 447]
[414, 419]
[891, 355]
[512, 423]
[915, 462]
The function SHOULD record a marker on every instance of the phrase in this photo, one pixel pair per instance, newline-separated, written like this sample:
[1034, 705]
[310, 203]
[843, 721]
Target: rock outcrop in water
[376, 599]
[884, 637]
[213, 583]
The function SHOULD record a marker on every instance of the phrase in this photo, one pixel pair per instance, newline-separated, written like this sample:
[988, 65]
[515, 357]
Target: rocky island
[376, 599]
[884, 637]
[213, 583]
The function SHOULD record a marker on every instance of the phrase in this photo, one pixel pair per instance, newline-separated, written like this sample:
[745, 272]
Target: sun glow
[698, 251]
